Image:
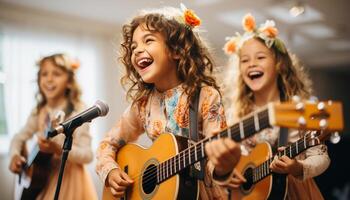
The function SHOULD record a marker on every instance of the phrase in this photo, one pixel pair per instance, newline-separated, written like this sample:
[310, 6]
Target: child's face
[152, 59]
[53, 81]
[258, 66]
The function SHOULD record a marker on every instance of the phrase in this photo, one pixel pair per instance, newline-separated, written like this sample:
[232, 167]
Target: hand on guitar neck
[286, 165]
[48, 146]
[224, 154]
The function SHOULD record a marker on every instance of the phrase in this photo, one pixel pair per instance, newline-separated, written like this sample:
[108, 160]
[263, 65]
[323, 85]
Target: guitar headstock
[307, 115]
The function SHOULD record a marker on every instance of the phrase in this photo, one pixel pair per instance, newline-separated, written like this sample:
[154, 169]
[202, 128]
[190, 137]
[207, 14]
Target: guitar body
[34, 178]
[136, 161]
[271, 187]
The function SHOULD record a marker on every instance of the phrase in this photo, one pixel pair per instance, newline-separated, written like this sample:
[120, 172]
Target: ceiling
[320, 36]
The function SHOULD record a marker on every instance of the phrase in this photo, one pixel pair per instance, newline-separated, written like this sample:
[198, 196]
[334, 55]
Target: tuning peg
[296, 99]
[300, 106]
[335, 138]
[323, 124]
[321, 106]
[301, 121]
[313, 99]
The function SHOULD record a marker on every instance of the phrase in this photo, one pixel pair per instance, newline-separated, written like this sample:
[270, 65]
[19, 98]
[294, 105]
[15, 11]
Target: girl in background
[58, 91]
[266, 72]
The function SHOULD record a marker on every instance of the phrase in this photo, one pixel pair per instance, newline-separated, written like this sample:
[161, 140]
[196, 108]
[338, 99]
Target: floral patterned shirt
[158, 113]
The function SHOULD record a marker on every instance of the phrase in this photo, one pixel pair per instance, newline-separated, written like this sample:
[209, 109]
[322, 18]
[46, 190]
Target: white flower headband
[267, 32]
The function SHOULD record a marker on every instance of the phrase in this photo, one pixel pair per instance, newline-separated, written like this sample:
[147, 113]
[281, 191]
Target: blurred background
[318, 32]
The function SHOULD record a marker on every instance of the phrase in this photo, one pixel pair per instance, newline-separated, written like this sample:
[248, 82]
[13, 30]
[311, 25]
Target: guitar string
[307, 138]
[164, 167]
[288, 151]
[149, 174]
[236, 132]
[198, 148]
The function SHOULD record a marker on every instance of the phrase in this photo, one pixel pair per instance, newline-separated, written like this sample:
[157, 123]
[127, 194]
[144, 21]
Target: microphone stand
[67, 146]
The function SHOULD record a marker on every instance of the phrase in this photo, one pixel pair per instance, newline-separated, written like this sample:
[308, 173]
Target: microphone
[98, 109]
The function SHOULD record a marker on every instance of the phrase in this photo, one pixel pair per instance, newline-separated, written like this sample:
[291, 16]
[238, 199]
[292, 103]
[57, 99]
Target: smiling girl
[267, 73]
[58, 91]
[166, 62]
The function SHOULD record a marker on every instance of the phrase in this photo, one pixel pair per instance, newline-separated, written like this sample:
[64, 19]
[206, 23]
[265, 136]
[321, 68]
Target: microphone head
[103, 107]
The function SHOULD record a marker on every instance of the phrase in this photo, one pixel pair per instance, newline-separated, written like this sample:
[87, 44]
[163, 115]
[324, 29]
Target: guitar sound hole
[149, 179]
[248, 174]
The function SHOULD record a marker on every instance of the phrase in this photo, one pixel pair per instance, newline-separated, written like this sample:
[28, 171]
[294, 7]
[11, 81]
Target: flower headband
[183, 15]
[267, 32]
[62, 60]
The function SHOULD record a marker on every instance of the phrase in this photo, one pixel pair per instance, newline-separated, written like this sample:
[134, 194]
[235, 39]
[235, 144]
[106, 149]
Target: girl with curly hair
[166, 62]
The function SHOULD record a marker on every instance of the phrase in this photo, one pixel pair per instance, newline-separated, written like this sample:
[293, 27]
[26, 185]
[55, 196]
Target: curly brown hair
[292, 80]
[193, 67]
[72, 93]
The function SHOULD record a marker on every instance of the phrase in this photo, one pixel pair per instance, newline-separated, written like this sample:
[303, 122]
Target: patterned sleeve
[18, 141]
[316, 161]
[127, 129]
[214, 121]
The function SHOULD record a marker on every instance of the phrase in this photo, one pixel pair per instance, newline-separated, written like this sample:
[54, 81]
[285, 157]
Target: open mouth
[144, 63]
[255, 75]
[50, 88]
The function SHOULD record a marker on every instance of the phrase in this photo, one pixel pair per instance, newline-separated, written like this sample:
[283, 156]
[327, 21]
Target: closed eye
[133, 47]
[149, 40]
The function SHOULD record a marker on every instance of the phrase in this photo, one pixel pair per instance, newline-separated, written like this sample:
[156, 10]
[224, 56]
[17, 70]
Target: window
[3, 125]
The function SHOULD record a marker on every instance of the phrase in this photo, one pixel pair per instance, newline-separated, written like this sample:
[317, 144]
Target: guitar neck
[35, 151]
[247, 127]
[263, 170]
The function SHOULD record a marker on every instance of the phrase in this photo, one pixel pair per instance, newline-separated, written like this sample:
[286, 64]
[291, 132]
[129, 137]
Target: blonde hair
[193, 67]
[72, 93]
[292, 80]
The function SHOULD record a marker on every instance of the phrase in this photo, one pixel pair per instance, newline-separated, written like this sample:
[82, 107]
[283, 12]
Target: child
[58, 90]
[166, 62]
[267, 74]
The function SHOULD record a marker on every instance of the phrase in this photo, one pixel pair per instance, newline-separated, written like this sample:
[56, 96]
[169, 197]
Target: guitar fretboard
[241, 130]
[263, 170]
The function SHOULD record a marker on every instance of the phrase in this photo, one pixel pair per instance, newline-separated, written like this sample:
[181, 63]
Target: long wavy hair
[292, 80]
[72, 93]
[193, 67]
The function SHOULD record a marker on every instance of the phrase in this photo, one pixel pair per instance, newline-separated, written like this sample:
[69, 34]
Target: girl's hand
[236, 180]
[16, 163]
[48, 146]
[224, 154]
[118, 182]
[285, 165]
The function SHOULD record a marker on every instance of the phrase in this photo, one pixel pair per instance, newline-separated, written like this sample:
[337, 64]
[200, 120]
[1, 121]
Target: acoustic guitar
[262, 183]
[35, 172]
[161, 171]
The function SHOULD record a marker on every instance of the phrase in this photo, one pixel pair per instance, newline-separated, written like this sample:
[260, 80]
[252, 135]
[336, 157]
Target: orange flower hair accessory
[75, 64]
[248, 23]
[189, 17]
[267, 31]
[232, 44]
